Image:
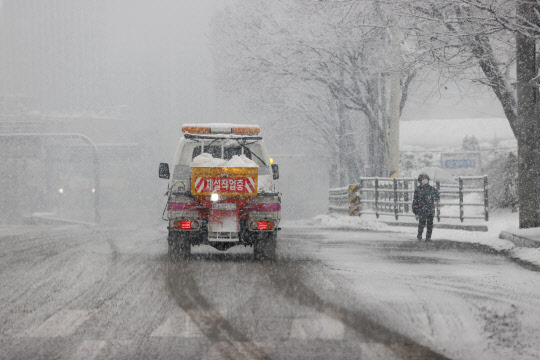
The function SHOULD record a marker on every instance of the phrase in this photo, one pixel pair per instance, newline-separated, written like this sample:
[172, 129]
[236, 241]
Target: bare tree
[486, 41]
[331, 46]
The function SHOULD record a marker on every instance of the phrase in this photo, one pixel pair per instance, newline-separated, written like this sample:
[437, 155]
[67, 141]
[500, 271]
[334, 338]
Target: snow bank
[528, 255]
[533, 233]
[207, 160]
[341, 222]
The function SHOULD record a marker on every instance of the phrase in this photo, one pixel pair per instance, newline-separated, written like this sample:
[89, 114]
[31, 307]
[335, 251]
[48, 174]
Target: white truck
[222, 191]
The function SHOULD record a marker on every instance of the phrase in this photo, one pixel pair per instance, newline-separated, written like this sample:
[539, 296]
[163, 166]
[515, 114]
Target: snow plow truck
[222, 191]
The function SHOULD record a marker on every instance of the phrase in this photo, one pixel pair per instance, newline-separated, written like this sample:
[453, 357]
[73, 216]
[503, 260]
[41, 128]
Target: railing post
[353, 200]
[406, 196]
[360, 197]
[460, 198]
[486, 198]
[395, 199]
[438, 186]
[377, 197]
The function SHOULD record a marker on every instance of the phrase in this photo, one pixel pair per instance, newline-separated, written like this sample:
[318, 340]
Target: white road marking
[63, 323]
[235, 350]
[178, 324]
[327, 284]
[88, 350]
[376, 351]
[297, 330]
[322, 327]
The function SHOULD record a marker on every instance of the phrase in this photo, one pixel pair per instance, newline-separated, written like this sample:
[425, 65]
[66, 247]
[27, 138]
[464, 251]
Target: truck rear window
[228, 152]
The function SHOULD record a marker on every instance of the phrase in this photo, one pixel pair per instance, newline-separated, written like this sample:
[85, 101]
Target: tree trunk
[527, 122]
[377, 149]
[342, 167]
[354, 162]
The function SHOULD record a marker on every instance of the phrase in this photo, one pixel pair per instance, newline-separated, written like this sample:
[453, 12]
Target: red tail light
[186, 225]
[262, 225]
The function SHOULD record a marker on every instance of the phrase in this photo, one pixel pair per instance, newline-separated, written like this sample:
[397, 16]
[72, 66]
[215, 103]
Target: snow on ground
[498, 222]
[469, 305]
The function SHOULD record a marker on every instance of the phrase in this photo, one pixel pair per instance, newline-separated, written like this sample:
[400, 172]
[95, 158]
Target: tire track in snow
[228, 341]
[288, 279]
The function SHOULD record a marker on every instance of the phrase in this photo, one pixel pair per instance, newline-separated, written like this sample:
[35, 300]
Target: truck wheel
[179, 246]
[264, 247]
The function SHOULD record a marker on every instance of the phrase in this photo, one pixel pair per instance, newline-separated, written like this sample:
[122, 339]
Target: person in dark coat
[423, 206]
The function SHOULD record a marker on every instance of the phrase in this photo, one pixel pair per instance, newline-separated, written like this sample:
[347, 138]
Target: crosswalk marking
[63, 323]
[235, 350]
[376, 351]
[327, 284]
[178, 324]
[297, 330]
[87, 350]
[322, 327]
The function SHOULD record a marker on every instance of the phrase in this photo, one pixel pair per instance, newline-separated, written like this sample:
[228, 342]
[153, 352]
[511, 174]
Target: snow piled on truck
[207, 160]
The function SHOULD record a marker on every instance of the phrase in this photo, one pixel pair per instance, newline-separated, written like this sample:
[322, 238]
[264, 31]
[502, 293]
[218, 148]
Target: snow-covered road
[74, 292]
[449, 296]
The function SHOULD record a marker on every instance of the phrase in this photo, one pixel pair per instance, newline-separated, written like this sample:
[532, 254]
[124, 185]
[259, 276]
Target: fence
[393, 197]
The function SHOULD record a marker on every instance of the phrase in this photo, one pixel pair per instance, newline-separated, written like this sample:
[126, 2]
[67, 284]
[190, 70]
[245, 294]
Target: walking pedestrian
[423, 206]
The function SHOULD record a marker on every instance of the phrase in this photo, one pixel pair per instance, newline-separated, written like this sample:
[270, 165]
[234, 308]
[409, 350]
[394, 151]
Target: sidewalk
[503, 237]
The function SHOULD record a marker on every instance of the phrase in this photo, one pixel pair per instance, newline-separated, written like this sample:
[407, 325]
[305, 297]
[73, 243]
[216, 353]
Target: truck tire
[264, 247]
[179, 246]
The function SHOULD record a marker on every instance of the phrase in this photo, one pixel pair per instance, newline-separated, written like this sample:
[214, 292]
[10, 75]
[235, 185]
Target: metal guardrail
[25, 137]
[393, 196]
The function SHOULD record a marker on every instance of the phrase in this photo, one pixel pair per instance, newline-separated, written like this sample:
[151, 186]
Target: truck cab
[222, 191]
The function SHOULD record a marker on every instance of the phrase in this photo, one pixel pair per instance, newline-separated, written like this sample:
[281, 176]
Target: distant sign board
[461, 163]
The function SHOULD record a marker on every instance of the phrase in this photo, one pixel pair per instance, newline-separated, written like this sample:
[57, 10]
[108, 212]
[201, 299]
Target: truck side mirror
[164, 171]
[275, 171]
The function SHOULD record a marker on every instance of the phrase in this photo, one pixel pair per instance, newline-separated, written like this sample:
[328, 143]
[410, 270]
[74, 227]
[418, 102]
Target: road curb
[518, 240]
[482, 228]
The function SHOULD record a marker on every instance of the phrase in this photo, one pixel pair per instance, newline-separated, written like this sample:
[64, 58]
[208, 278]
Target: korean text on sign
[224, 185]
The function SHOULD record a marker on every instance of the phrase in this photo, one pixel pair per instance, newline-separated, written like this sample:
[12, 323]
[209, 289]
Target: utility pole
[394, 104]
[528, 124]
